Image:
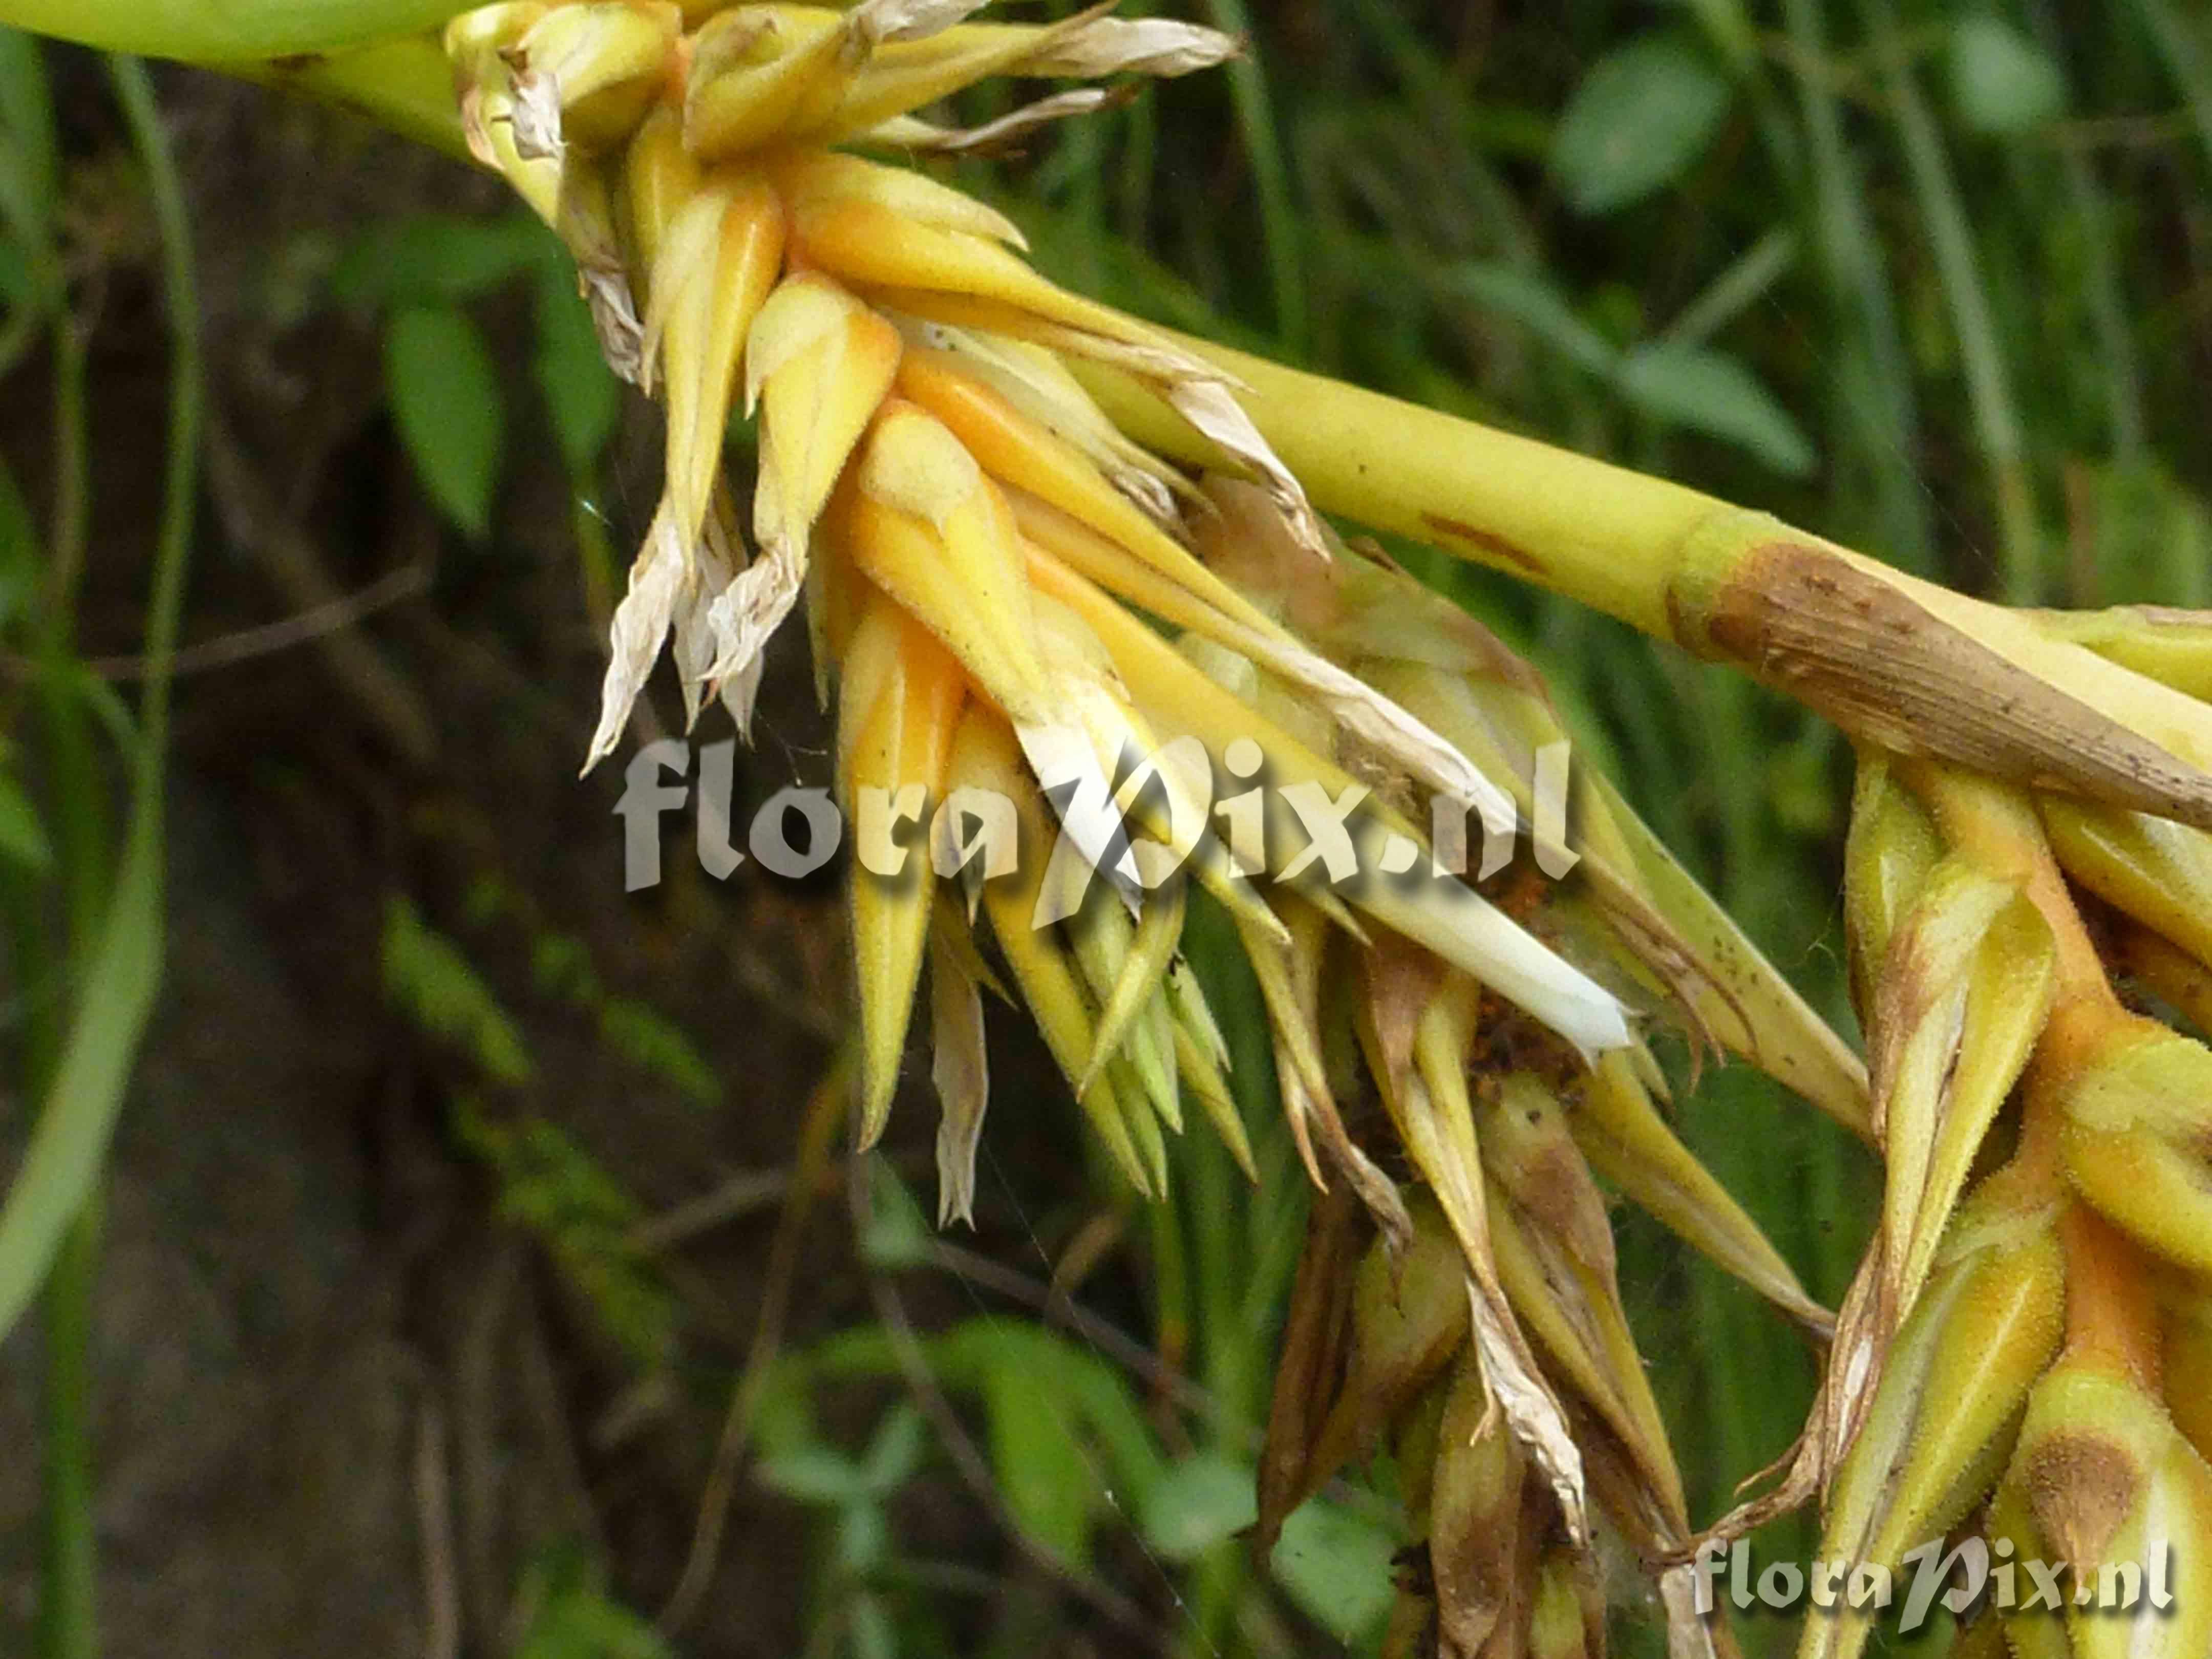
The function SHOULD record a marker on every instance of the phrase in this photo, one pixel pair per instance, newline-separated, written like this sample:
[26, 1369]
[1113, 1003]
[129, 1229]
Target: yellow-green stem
[225, 30]
[1600, 534]
[1824, 624]
[403, 83]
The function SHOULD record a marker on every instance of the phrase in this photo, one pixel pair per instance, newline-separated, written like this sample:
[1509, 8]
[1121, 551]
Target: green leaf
[1712, 393]
[433, 259]
[1041, 1469]
[560, 963]
[897, 1236]
[445, 397]
[22, 837]
[1638, 120]
[1728, 25]
[646, 1039]
[1531, 300]
[2001, 81]
[1199, 1503]
[896, 1451]
[70, 1143]
[1090, 1396]
[864, 1539]
[574, 1616]
[1336, 1566]
[582, 398]
[583, 1216]
[426, 973]
[814, 1474]
[30, 166]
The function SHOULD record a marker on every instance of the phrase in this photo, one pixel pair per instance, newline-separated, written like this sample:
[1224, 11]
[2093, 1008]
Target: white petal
[960, 1068]
[537, 118]
[614, 318]
[656, 581]
[912, 133]
[1210, 406]
[1530, 1408]
[874, 22]
[753, 607]
[1474, 935]
[1144, 46]
[696, 646]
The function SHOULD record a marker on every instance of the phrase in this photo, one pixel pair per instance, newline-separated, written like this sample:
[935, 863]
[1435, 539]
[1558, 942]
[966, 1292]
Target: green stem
[1600, 534]
[180, 474]
[1735, 290]
[68, 1623]
[405, 84]
[1170, 1277]
[225, 30]
[72, 470]
[1724, 582]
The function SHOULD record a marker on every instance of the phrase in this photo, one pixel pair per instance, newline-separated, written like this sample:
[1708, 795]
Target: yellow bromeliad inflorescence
[1016, 605]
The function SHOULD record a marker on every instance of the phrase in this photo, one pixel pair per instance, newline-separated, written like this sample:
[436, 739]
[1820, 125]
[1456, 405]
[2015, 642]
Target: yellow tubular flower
[903, 696]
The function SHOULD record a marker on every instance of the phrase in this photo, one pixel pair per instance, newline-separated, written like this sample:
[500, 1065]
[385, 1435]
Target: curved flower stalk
[2093, 707]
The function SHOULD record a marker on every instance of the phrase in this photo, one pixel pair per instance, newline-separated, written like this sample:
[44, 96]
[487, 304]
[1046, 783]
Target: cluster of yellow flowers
[1012, 598]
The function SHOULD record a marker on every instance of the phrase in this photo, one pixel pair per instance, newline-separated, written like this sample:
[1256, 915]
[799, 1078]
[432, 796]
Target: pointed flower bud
[894, 738]
[2138, 1137]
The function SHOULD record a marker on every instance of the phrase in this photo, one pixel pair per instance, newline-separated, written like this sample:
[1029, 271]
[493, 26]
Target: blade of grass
[2185, 60]
[1951, 243]
[1883, 425]
[1279, 217]
[67, 1626]
[2115, 345]
[67, 1147]
[1736, 290]
[68, 1602]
